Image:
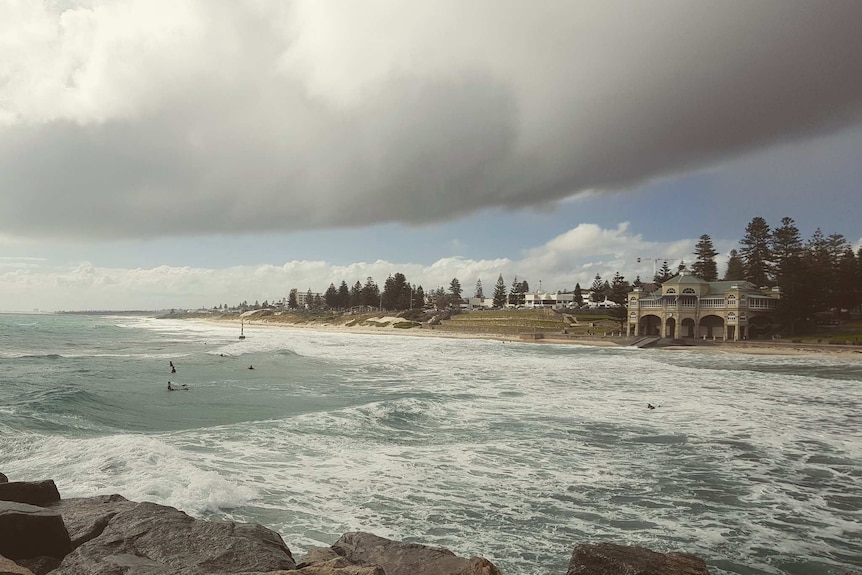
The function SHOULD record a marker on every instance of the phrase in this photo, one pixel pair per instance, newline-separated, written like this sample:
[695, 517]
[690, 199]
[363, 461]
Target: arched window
[731, 300]
[671, 290]
[689, 291]
[634, 314]
[731, 316]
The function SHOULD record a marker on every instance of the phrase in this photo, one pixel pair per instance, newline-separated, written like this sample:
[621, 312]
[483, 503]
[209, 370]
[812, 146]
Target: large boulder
[8, 567]
[611, 559]
[3, 478]
[28, 531]
[398, 558]
[87, 517]
[39, 493]
[160, 540]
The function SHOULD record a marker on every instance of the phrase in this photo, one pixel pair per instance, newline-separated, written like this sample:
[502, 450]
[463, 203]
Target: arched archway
[670, 328]
[712, 326]
[650, 325]
[687, 328]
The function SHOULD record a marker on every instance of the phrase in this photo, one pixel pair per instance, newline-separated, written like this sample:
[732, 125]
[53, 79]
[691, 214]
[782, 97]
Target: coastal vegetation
[820, 281]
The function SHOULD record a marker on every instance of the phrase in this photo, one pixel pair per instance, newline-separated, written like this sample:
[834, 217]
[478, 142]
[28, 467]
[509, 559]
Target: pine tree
[755, 252]
[579, 295]
[419, 298]
[597, 289]
[789, 273]
[663, 274]
[500, 292]
[514, 292]
[735, 267]
[705, 267]
[292, 301]
[637, 282]
[479, 293]
[343, 295]
[455, 289]
[356, 295]
[370, 293]
[331, 296]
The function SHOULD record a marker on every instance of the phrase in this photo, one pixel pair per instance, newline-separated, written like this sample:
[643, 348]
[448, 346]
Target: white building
[543, 300]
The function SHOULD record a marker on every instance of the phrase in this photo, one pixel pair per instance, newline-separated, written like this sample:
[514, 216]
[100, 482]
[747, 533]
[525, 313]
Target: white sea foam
[512, 451]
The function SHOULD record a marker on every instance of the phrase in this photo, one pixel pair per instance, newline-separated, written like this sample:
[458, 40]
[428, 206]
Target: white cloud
[573, 257]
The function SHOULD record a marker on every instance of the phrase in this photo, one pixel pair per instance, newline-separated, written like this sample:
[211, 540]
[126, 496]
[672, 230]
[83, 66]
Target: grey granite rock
[150, 539]
[398, 558]
[612, 559]
[28, 531]
[39, 493]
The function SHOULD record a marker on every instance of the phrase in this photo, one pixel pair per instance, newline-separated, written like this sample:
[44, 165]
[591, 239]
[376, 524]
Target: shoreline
[839, 352]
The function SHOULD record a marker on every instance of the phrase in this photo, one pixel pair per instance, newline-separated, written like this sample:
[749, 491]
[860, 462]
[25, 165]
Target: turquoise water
[516, 452]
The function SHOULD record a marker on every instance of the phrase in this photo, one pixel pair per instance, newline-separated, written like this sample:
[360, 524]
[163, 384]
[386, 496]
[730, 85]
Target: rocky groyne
[109, 535]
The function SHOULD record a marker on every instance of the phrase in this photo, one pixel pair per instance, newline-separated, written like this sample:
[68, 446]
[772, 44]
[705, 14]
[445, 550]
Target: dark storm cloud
[524, 106]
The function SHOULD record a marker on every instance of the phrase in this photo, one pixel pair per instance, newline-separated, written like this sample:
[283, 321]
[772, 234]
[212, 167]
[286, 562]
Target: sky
[184, 153]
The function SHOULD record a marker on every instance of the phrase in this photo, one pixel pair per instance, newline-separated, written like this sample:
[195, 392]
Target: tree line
[820, 274]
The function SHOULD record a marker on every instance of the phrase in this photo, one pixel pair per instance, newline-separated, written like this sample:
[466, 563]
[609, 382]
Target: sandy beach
[385, 326]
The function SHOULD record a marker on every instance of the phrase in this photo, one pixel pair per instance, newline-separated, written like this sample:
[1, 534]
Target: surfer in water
[173, 369]
[169, 387]
[251, 367]
[650, 406]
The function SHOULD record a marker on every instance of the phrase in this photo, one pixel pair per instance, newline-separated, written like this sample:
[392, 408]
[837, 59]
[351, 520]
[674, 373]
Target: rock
[611, 559]
[40, 565]
[340, 566]
[9, 567]
[3, 478]
[317, 555]
[39, 493]
[156, 539]
[87, 517]
[408, 558]
[28, 531]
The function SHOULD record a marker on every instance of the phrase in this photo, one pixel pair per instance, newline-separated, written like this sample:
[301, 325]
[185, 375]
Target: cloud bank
[148, 118]
[573, 257]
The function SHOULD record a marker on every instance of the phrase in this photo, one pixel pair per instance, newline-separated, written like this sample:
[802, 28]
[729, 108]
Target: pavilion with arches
[688, 307]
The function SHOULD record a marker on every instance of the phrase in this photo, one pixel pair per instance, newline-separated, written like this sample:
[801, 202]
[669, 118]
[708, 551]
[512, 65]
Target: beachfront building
[687, 307]
[547, 300]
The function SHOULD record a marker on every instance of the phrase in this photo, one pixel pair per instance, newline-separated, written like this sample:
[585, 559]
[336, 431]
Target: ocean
[512, 451]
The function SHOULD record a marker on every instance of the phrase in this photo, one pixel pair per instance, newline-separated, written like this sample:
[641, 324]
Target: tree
[597, 289]
[343, 295]
[309, 299]
[405, 297]
[619, 290]
[331, 296]
[393, 293]
[356, 297]
[479, 293]
[370, 293]
[292, 302]
[755, 252]
[735, 267]
[500, 292]
[418, 295]
[705, 267]
[579, 296]
[663, 274]
[515, 292]
[455, 289]
[637, 282]
[789, 272]
[847, 282]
